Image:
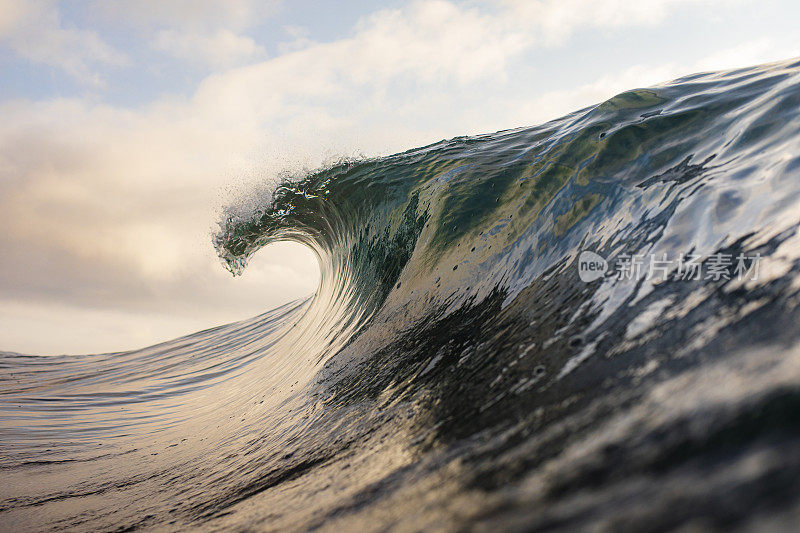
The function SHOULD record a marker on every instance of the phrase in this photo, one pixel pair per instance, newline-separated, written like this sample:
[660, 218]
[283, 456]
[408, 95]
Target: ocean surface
[588, 324]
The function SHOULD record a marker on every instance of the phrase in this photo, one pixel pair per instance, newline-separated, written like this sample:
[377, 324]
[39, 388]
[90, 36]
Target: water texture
[453, 370]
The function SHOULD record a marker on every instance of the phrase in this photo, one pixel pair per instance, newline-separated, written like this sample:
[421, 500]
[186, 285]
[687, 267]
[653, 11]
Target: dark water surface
[453, 371]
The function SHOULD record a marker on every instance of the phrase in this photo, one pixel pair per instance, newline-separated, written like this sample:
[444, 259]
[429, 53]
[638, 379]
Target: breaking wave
[455, 369]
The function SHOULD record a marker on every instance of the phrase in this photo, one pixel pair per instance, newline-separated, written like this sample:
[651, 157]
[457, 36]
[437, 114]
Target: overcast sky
[125, 126]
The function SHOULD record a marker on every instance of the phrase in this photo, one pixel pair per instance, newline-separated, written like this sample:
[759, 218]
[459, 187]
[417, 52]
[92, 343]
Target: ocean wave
[592, 321]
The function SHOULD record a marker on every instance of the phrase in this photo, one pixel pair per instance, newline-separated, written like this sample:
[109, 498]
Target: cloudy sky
[126, 126]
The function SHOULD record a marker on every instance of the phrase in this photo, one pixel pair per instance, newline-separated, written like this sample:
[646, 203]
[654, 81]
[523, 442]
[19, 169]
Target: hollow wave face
[593, 322]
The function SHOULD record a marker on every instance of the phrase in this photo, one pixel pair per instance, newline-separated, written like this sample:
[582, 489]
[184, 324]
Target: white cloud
[751, 52]
[203, 32]
[34, 30]
[219, 50]
[432, 43]
[299, 39]
[197, 14]
[559, 19]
